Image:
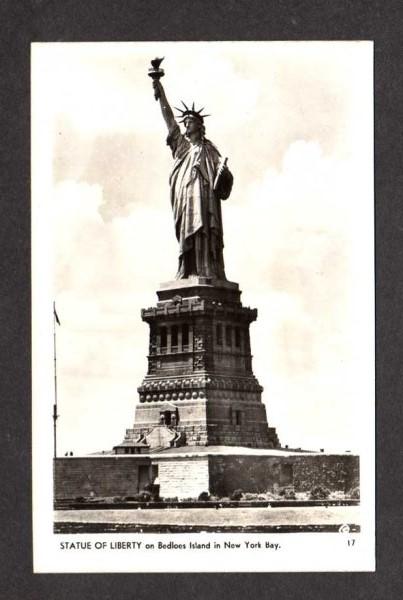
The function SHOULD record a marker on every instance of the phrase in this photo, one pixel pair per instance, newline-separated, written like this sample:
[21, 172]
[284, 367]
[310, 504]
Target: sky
[295, 120]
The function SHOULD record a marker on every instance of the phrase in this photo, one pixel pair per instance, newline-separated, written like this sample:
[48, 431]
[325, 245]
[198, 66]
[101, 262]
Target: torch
[155, 72]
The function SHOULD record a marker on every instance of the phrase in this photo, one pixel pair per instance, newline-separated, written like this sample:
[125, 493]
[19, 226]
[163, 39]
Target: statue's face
[192, 126]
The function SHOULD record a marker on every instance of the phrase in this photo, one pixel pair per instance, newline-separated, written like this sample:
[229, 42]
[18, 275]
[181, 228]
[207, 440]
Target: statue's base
[203, 287]
[199, 383]
[198, 280]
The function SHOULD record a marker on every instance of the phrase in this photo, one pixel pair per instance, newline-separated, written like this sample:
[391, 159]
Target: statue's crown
[190, 112]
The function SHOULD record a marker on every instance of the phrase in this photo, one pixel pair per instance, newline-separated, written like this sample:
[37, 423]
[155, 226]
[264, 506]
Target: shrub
[204, 497]
[236, 495]
[250, 496]
[117, 499]
[174, 499]
[145, 496]
[152, 489]
[287, 493]
[319, 492]
[354, 493]
[80, 499]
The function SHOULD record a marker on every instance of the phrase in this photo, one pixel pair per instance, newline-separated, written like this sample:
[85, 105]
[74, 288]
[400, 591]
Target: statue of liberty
[199, 180]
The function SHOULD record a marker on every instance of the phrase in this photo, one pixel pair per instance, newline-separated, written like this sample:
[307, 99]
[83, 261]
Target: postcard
[203, 307]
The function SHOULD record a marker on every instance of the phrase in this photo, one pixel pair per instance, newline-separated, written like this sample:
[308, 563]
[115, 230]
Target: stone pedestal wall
[302, 472]
[98, 476]
[187, 475]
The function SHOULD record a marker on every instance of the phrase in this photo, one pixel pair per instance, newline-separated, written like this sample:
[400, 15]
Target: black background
[23, 22]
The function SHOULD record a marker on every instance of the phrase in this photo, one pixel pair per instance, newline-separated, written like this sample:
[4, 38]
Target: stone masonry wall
[336, 472]
[97, 476]
[267, 473]
[188, 476]
[183, 477]
[252, 429]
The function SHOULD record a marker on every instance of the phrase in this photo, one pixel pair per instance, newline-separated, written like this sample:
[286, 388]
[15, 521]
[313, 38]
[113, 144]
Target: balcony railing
[174, 349]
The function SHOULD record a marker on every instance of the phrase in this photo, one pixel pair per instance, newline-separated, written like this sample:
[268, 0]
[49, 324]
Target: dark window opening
[238, 417]
[167, 417]
[218, 334]
[174, 338]
[228, 335]
[237, 337]
[153, 340]
[185, 336]
[163, 333]
[144, 477]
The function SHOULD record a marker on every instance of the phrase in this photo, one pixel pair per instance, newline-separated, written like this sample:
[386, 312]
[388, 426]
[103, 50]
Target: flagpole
[55, 415]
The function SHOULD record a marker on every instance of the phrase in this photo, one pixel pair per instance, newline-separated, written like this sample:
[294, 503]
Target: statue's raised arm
[167, 113]
[155, 72]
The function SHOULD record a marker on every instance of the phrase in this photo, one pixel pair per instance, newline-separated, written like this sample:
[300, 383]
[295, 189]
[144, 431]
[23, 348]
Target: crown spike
[190, 112]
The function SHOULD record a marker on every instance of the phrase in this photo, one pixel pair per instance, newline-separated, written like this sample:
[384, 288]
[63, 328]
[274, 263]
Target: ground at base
[198, 519]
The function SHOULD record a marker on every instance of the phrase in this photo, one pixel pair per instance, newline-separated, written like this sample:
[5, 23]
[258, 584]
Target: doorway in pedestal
[144, 477]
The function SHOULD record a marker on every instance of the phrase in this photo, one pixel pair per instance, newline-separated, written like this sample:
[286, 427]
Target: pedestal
[199, 389]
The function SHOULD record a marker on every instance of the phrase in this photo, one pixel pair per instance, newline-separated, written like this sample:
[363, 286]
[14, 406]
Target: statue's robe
[196, 207]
